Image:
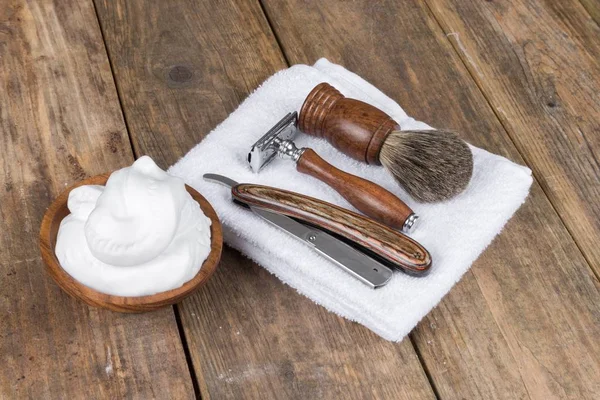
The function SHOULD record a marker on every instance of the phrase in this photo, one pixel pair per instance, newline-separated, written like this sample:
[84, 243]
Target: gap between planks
[188, 355]
[592, 7]
[117, 87]
[434, 388]
[471, 68]
[275, 34]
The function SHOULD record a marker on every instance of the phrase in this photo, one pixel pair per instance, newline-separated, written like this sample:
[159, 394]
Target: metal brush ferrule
[287, 149]
[410, 223]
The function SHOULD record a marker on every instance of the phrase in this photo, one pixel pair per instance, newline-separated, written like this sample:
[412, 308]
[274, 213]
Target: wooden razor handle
[368, 197]
[391, 245]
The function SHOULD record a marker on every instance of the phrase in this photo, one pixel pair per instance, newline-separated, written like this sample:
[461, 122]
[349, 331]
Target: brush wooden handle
[393, 246]
[355, 128]
[366, 196]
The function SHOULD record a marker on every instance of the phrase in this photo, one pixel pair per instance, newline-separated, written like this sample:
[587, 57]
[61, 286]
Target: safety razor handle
[366, 196]
[388, 244]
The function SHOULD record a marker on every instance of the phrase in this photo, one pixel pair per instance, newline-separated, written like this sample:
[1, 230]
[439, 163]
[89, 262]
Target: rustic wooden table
[86, 86]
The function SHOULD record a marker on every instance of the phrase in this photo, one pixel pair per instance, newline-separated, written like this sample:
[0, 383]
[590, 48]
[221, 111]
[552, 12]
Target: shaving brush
[431, 165]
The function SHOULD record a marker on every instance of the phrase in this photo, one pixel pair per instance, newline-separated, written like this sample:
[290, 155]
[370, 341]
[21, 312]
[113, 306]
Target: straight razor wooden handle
[393, 246]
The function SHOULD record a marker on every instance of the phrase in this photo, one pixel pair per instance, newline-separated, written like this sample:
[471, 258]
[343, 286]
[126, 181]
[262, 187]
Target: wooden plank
[181, 68]
[60, 121]
[524, 322]
[593, 8]
[538, 65]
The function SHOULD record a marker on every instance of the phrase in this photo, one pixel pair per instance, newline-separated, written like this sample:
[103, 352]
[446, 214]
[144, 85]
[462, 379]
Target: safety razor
[366, 196]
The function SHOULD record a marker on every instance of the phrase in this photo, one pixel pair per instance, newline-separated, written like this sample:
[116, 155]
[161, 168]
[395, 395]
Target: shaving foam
[141, 234]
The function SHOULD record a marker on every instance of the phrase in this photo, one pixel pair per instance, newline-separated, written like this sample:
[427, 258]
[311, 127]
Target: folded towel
[455, 232]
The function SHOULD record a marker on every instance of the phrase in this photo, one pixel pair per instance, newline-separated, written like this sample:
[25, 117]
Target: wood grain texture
[593, 8]
[397, 248]
[261, 340]
[58, 210]
[538, 63]
[249, 335]
[524, 322]
[366, 196]
[178, 78]
[60, 122]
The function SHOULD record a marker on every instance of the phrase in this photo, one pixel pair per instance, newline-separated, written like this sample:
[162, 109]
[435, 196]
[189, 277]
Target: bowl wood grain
[48, 233]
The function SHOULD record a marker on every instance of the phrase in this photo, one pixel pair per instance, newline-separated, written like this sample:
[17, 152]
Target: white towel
[455, 232]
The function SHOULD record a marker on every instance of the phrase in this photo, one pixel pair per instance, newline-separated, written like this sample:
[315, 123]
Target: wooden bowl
[49, 230]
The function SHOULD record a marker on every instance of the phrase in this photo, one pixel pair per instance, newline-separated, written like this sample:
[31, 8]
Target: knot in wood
[180, 74]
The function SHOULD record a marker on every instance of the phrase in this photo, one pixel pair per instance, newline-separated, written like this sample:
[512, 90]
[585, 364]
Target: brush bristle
[431, 165]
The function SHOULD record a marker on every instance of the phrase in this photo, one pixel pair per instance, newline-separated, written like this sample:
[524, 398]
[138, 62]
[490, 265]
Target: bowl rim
[47, 243]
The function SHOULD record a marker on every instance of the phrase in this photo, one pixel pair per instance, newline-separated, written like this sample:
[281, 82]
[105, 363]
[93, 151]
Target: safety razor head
[266, 148]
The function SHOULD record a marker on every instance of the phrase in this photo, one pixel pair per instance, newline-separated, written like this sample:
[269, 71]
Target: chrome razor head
[267, 147]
